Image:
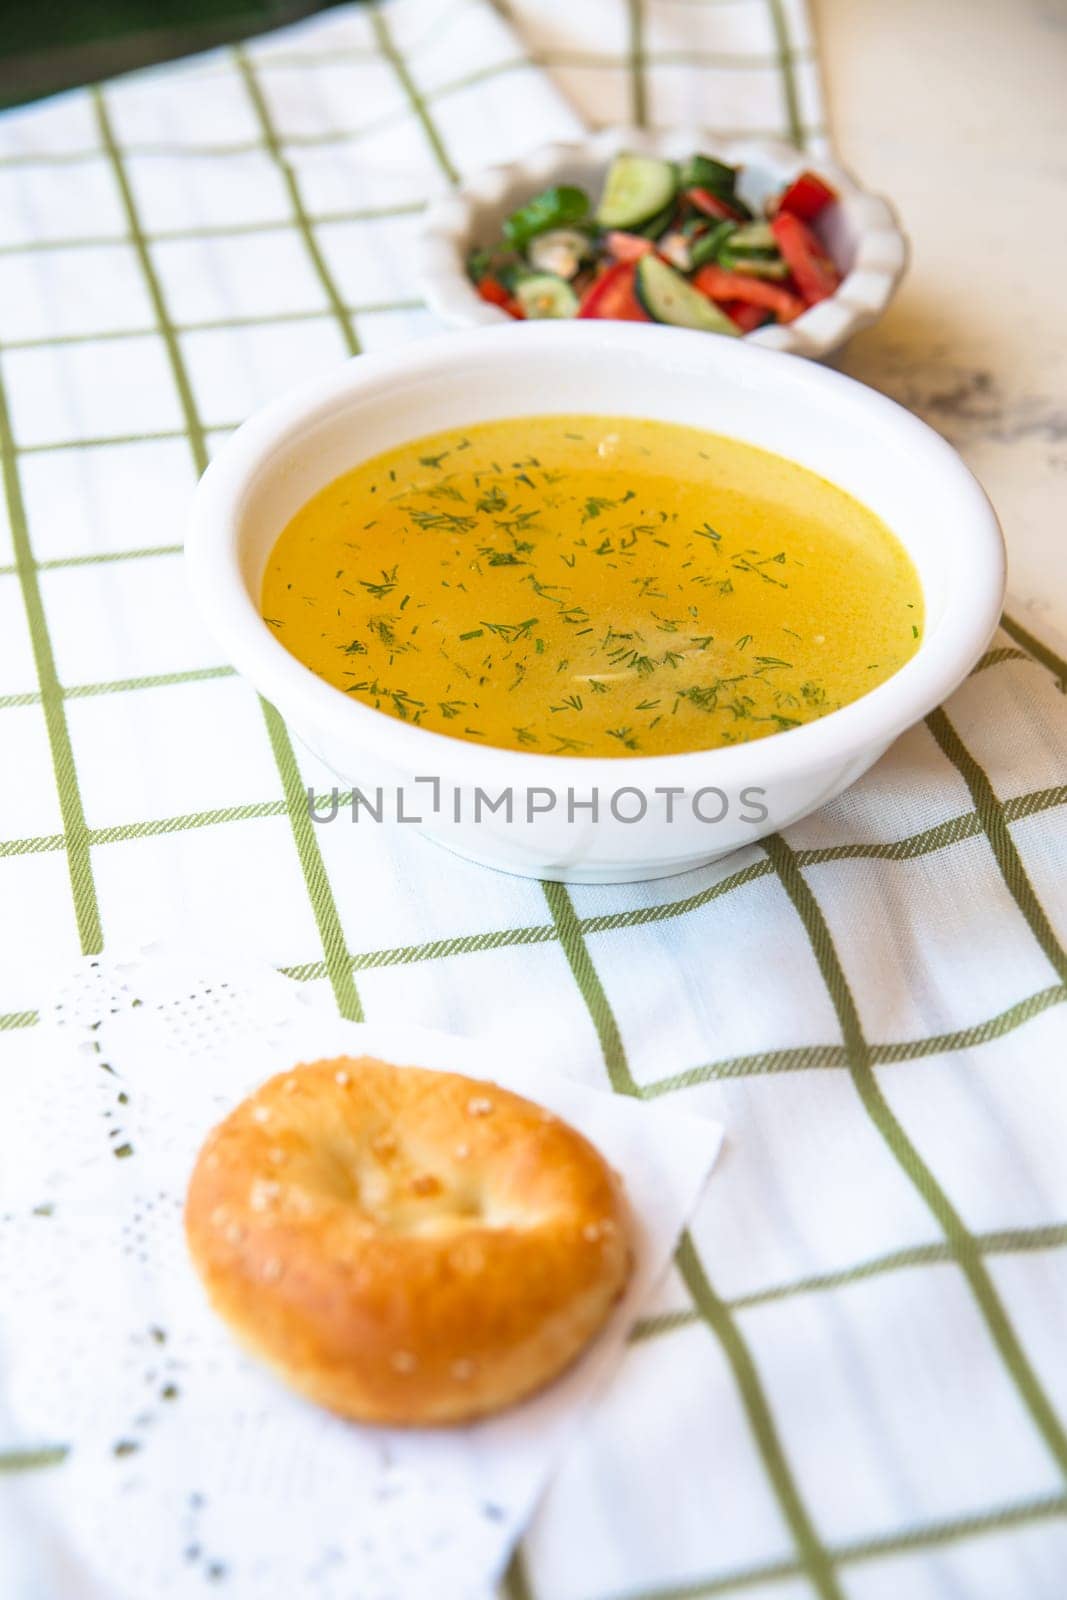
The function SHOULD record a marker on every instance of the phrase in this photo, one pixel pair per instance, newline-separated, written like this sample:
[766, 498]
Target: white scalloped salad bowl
[861, 231]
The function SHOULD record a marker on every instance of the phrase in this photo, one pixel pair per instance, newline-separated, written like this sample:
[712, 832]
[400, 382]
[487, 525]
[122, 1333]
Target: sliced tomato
[816, 276]
[806, 196]
[493, 290]
[712, 206]
[722, 287]
[747, 317]
[628, 246]
[613, 297]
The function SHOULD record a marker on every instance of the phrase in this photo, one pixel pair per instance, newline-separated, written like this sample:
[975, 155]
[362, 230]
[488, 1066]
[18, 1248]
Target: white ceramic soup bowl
[571, 818]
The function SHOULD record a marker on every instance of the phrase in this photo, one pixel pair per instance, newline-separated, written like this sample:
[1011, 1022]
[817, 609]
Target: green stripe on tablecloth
[794, 121]
[165, 327]
[317, 56]
[99, 440]
[586, 60]
[160, 827]
[861, 1068]
[432, 950]
[44, 844]
[416, 99]
[463, 944]
[1038, 649]
[119, 833]
[206, 230]
[300, 215]
[84, 691]
[929, 1536]
[692, 902]
[805, 1058]
[323, 904]
[978, 1033]
[18, 1019]
[72, 811]
[592, 990]
[636, 51]
[316, 141]
[471, 80]
[993, 658]
[1011, 1241]
[516, 1579]
[716, 1315]
[1028, 805]
[49, 1455]
[727, 1583]
[995, 826]
[232, 324]
[951, 1529]
[316, 878]
[799, 1058]
[813, 1556]
[944, 833]
[158, 680]
[103, 557]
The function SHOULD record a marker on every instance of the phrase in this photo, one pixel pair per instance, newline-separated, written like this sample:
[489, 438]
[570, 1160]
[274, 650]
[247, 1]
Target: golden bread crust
[405, 1246]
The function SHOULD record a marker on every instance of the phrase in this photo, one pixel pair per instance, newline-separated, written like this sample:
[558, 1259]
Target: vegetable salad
[667, 242]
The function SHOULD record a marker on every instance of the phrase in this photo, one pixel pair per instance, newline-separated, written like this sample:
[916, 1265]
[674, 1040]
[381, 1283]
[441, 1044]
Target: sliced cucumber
[656, 226]
[635, 189]
[542, 294]
[667, 297]
[772, 267]
[754, 236]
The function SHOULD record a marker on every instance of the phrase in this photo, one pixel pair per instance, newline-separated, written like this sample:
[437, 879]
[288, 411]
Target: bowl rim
[881, 255]
[946, 652]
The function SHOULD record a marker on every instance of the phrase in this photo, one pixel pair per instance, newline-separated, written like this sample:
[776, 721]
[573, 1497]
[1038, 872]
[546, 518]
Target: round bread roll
[405, 1246]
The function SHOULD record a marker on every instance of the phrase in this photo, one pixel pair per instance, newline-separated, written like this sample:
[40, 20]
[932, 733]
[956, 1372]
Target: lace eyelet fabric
[189, 1469]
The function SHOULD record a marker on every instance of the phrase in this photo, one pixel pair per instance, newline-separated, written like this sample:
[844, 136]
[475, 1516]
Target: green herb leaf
[559, 207]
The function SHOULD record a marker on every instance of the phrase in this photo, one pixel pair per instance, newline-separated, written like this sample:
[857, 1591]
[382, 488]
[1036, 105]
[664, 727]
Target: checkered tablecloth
[853, 1383]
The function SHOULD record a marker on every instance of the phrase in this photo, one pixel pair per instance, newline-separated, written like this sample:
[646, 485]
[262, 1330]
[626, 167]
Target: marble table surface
[959, 114]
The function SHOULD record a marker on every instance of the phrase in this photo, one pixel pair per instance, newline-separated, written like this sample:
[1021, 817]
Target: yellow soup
[594, 586]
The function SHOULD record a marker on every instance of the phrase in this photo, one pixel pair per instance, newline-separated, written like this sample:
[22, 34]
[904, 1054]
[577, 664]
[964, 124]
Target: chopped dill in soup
[593, 586]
